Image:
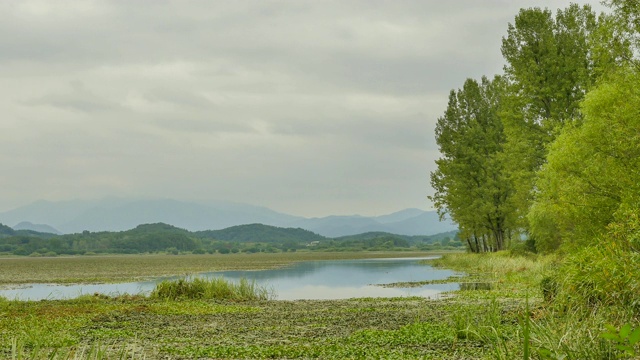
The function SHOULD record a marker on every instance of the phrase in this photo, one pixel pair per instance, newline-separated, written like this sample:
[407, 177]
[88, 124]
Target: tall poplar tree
[627, 15]
[552, 62]
[470, 183]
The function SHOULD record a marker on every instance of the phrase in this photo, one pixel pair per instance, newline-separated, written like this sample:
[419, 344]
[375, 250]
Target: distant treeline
[164, 238]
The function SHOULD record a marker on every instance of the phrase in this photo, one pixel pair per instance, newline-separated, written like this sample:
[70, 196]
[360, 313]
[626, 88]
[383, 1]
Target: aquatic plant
[214, 288]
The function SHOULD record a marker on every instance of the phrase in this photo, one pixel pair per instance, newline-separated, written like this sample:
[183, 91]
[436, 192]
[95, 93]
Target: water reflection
[340, 279]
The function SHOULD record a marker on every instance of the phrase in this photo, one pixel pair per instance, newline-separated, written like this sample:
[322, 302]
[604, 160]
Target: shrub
[600, 275]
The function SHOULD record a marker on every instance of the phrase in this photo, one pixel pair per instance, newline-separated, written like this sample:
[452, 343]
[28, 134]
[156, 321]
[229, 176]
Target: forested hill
[160, 237]
[260, 233]
[6, 231]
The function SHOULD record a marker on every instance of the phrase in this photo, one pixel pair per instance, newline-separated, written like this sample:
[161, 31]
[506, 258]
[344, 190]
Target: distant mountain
[114, 214]
[405, 222]
[41, 228]
[54, 213]
[119, 214]
[334, 226]
[401, 215]
[425, 223]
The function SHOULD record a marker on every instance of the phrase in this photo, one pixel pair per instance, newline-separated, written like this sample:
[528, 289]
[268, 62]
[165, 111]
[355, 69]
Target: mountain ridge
[41, 228]
[115, 214]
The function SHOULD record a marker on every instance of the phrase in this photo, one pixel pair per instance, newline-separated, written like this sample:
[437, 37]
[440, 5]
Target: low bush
[600, 276]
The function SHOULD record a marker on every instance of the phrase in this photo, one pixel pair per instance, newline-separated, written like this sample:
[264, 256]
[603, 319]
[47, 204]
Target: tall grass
[600, 276]
[594, 289]
[523, 272]
[214, 288]
[563, 305]
[97, 351]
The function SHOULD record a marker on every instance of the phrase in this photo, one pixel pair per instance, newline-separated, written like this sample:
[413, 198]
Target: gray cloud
[307, 107]
[77, 98]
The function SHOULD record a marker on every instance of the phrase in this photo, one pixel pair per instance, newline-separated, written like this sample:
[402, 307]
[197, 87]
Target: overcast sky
[307, 107]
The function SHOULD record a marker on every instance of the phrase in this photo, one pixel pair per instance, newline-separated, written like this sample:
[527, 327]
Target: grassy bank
[552, 321]
[508, 320]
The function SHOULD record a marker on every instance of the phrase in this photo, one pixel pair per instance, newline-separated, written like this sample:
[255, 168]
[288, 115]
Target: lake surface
[339, 279]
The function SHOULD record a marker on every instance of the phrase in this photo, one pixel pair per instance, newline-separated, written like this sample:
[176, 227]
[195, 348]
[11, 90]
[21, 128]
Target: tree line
[549, 150]
[164, 238]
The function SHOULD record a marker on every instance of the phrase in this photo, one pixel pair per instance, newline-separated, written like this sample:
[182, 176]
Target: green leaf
[625, 330]
[610, 336]
[634, 337]
[611, 328]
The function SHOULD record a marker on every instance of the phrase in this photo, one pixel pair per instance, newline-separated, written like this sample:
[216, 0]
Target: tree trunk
[470, 245]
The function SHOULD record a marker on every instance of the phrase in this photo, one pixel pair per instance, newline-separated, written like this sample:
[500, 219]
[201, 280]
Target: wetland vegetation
[504, 322]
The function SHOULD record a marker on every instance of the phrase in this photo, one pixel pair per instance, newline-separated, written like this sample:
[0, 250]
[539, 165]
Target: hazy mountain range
[115, 214]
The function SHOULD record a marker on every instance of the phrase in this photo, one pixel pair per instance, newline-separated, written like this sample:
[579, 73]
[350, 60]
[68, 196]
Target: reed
[213, 288]
[97, 351]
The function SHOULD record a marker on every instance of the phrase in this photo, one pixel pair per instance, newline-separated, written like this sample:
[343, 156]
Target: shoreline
[123, 268]
[461, 324]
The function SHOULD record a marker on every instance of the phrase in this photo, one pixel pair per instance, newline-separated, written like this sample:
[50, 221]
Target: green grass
[185, 329]
[213, 289]
[569, 325]
[511, 320]
[95, 351]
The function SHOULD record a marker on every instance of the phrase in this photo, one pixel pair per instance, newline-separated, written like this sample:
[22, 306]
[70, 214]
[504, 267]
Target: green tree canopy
[552, 62]
[470, 184]
[627, 15]
[592, 177]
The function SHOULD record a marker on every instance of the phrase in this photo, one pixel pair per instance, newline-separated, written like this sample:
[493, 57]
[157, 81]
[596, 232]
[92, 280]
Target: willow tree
[589, 189]
[592, 177]
[470, 183]
[552, 62]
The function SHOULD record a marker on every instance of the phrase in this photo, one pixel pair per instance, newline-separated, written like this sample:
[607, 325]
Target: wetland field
[505, 320]
[119, 268]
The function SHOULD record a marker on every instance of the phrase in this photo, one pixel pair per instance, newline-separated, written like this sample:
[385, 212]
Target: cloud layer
[308, 107]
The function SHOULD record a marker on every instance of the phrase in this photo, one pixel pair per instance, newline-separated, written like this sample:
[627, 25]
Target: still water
[339, 279]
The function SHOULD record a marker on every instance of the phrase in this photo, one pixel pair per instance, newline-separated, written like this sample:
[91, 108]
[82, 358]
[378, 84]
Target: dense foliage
[548, 151]
[563, 148]
[470, 182]
[591, 179]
